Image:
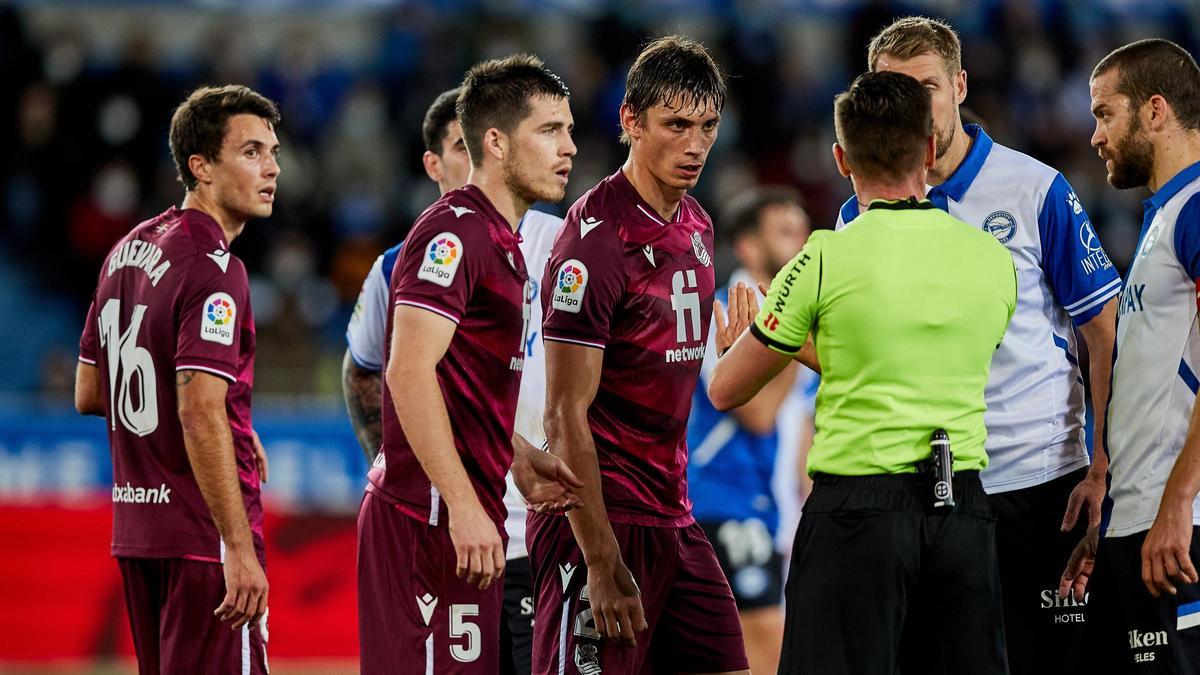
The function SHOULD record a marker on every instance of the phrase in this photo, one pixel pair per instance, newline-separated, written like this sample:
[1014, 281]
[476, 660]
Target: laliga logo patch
[216, 323]
[699, 250]
[570, 286]
[1002, 225]
[442, 259]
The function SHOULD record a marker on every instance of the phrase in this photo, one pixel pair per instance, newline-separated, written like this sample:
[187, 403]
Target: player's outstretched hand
[1074, 581]
[743, 307]
[616, 602]
[1166, 553]
[545, 481]
[245, 588]
[260, 457]
[478, 546]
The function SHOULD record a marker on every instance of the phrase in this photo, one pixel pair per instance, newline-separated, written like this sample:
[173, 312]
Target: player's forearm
[1184, 482]
[363, 391]
[570, 438]
[1099, 333]
[808, 355]
[89, 396]
[758, 414]
[208, 440]
[422, 412]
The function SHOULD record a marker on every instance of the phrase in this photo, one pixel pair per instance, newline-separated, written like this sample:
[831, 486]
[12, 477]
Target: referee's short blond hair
[913, 36]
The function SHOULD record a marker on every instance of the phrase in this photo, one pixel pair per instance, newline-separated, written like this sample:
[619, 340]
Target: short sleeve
[583, 284]
[1076, 266]
[784, 320]
[212, 306]
[1187, 238]
[89, 340]
[442, 262]
[368, 323]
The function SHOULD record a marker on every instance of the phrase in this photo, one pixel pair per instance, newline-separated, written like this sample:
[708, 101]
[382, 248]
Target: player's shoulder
[1006, 167]
[458, 215]
[695, 207]
[593, 222]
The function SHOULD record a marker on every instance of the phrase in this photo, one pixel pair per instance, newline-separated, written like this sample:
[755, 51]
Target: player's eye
[252, 153]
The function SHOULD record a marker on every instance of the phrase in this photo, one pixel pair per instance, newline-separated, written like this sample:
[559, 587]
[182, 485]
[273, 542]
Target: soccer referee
[906, 307]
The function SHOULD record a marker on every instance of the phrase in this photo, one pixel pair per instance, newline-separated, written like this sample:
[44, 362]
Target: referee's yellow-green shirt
[906, 306]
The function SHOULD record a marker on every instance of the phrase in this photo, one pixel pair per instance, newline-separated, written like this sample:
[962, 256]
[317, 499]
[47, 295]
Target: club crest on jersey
[569, 286]
[1149, 240]
[442, 259]
[1001, 225]
[699, 250]
[216, 324]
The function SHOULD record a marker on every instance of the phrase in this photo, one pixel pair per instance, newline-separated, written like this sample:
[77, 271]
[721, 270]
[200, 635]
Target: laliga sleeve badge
[441, 260]
[569, 287]
[217, 319]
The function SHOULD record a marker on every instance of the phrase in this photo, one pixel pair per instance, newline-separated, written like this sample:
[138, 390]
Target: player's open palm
[477, 545]
[245, 589]
[743, 307]
[616, 602]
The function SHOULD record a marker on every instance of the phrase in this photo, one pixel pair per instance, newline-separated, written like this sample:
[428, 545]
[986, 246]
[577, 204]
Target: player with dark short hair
[187, 466]
[894, 563]
[1143, 598]
[430, 529]
[628, 583]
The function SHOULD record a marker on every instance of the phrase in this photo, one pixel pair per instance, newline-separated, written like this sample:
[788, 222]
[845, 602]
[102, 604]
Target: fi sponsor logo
[217, 321]
[442, 259]
[570, 286]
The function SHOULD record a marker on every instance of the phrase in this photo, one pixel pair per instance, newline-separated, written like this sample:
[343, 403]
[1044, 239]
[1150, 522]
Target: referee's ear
[930, 152]
[839, 156]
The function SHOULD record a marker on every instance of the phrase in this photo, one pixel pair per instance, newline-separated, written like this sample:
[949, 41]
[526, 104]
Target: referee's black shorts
[1130, 631]
[881, 583]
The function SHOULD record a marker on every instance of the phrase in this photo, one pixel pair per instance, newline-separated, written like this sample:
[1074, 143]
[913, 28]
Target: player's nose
[1099, 138]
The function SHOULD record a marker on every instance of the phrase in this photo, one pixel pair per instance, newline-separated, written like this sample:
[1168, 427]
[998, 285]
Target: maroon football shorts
[692, 616]
[414, 614]
[171, 603]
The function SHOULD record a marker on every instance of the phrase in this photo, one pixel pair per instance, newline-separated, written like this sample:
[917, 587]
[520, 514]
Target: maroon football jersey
[623, 280]
[170, 297]
[462, 261]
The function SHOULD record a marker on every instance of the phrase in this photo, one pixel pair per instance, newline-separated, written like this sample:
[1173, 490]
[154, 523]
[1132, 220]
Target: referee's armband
[790, 309]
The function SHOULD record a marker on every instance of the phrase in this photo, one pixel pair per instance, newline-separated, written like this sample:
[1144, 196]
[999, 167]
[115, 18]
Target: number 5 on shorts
[461, 628]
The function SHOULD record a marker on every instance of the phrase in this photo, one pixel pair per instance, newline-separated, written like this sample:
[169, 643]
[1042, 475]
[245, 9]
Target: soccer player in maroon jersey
[431, 523]
[172, 299]
[629, 293]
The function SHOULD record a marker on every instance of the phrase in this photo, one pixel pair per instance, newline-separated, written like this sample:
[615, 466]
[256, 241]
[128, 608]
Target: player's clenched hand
[260, 457]
[1075, 577]
[743, 307]
[545, 481]
[477, 544]
[245, 588]
[1166, 553]
[616, 602]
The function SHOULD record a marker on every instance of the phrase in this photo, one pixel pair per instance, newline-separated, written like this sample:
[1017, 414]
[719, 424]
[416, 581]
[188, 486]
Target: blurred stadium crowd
[89, 88]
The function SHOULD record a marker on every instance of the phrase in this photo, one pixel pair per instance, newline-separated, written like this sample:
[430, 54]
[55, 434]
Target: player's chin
[550, 193]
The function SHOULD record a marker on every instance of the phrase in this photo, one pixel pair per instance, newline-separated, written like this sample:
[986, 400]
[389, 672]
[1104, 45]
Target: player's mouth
[267, 194]
[563, 173]
[690, 171]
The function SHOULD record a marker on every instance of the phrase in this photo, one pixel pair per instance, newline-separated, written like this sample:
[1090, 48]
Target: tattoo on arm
[184, 377]
[363, 391]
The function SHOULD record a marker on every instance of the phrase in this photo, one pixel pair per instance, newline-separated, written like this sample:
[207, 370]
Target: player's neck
[1176, 154]
[494, 187]
[231, 226]
[947, 164]
[870, 190]
[662, 197]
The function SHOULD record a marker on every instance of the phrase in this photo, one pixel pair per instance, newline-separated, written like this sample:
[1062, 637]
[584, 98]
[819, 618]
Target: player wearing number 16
[167, 356]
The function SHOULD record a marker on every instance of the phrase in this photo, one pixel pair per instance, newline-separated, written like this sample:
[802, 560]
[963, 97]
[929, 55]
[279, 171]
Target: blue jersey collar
[1173, 186]
[959, 182]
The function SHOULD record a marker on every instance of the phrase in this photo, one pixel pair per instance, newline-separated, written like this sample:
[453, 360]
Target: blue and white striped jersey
[365, 337]
[1035, 395]
[1158, 351]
